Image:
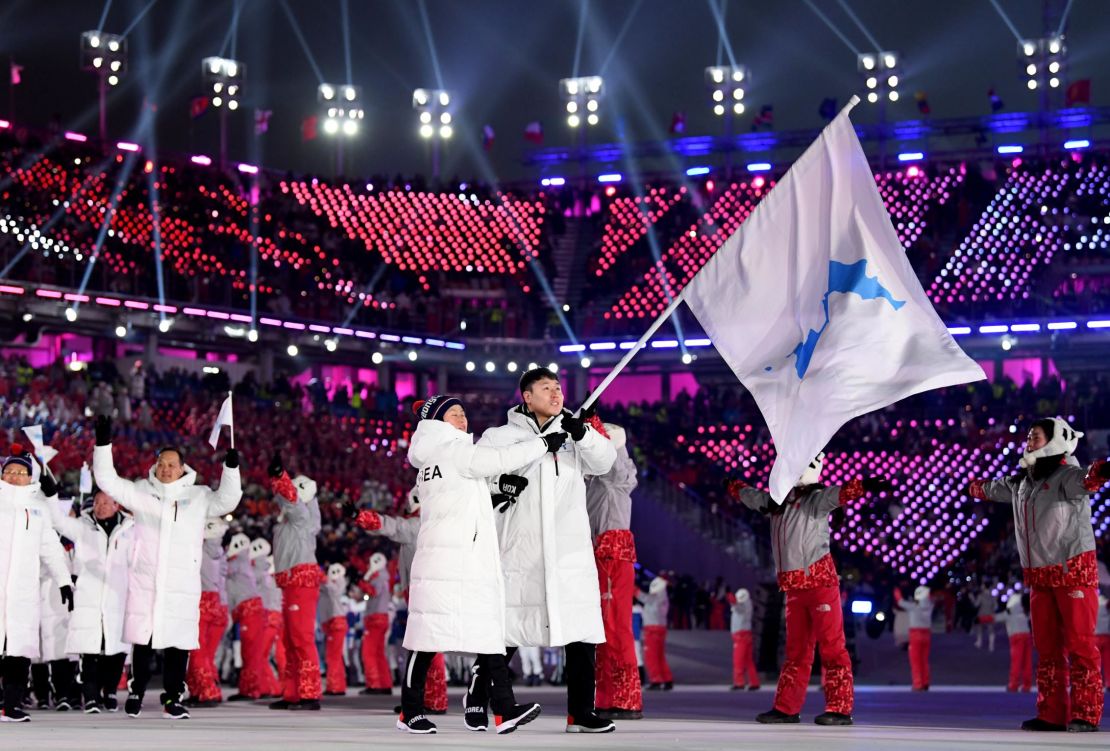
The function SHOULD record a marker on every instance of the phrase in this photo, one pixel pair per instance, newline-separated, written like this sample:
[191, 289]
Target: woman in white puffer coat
[457, 595]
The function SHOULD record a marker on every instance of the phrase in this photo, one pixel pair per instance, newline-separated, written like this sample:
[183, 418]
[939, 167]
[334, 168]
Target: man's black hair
[177, 450]
[534, 375]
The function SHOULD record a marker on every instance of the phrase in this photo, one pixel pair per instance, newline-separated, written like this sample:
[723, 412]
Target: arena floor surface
[689, 718]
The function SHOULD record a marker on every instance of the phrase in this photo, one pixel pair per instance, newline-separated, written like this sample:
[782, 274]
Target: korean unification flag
[815, 308]
[224, 418]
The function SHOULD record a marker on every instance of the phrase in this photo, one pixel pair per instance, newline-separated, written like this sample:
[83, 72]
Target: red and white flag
[533, 132]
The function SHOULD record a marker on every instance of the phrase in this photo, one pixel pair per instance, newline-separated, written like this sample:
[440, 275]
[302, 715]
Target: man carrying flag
[163, 600]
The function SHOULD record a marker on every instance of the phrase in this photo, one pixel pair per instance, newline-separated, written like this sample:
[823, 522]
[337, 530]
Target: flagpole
[679, 298]
[232, 425]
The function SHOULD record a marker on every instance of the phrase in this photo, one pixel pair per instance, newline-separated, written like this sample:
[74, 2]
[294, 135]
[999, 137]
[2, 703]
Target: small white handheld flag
[86, 485]
[34, 435]
[224, 418]
[815, 308]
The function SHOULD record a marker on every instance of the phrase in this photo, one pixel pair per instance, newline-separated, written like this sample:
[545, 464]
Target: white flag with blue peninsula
[815, 308]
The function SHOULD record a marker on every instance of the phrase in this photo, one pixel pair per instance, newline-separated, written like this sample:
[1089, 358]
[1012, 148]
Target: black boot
[833, 718]
[517, 715]
[1082, 726]
[775, 717]
[420, 725]
[1043, 726]
[588, 722]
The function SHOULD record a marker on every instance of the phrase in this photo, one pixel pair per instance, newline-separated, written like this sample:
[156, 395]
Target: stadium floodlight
[342, 114]
[727, 86]
[106, 56]
[223, 81]
[435, 116]
[1042, 62]
[583, 97]
[882, 75]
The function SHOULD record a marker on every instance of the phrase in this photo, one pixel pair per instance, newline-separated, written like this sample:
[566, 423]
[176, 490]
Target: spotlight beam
[136, 19]
[859, 25]
[345, 15]
[620, 37]
[367, 289]
[583, 14]
[722, 32]
[832, 27]
[109, 212]
[1006, 18]
[431, 43]
[104, 14]
[1064, 18]
[301, 39]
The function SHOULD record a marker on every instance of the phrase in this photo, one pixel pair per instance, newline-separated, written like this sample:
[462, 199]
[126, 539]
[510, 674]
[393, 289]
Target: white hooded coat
[456, 596]
[27, 543]
[163, 599]
[552, 596]
[102, 565]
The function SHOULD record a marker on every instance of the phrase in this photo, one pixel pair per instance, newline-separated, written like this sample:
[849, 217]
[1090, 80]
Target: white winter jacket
[102, 563]
[163, 598]
[551, 589]
[55, 617]
[457, 597]
[27, 542]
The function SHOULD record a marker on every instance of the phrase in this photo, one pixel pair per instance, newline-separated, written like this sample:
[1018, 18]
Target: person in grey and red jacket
[808, 577]
[297, 575]
[1056, 545]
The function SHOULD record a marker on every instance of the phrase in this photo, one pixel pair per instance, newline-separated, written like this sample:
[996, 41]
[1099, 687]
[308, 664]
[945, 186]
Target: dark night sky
[503, 58]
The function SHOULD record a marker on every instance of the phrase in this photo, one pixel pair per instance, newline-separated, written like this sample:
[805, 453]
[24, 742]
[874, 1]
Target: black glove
[877, 485]
[350, 510]
[575, 426]
[501, 501]
[103, 429]
[588, 412]
[49, 486]
[67, 596]
[511, 485]
[231, 459]
[275, 469]
[554, 441]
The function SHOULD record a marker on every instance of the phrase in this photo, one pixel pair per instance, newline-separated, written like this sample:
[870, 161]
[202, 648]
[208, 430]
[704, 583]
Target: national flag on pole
[1078, 92]
[198, 105]
[86, 484]
[17, 74]
[922, 103]
[224, 418]
[765, 118]
[34, 435]
[996, 101]
[262, 121]
[487, 137]
[308, 128]
[815, 308]
[533, 132]
[678, 123]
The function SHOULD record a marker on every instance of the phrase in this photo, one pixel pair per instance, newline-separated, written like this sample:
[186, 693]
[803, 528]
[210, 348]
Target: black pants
[54, 679]
[579, 672]
[16, 671]
[100, 675]
[174, 664]
[495, 669]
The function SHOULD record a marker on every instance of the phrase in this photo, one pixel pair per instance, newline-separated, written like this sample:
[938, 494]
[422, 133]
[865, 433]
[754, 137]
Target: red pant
[251, 618]
[1064, 634]
[301, 679]
[335, 636]
[616, 673]
[1103, 643]
[655, 654]
[743, 666]
[814, 618]
[435, 686]
[272, 637]
[374, 662]
[1021, 662]
[202, 679]
[920, 640]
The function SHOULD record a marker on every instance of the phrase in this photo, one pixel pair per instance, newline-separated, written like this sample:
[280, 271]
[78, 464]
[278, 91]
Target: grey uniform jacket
[609, 496]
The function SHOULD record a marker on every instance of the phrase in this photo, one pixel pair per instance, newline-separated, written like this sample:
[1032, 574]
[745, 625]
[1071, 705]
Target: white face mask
[337, 574]
[214, 529]
[812, 473]
[239, 543]
[259, 549]
[377, 563]
[921, 594]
